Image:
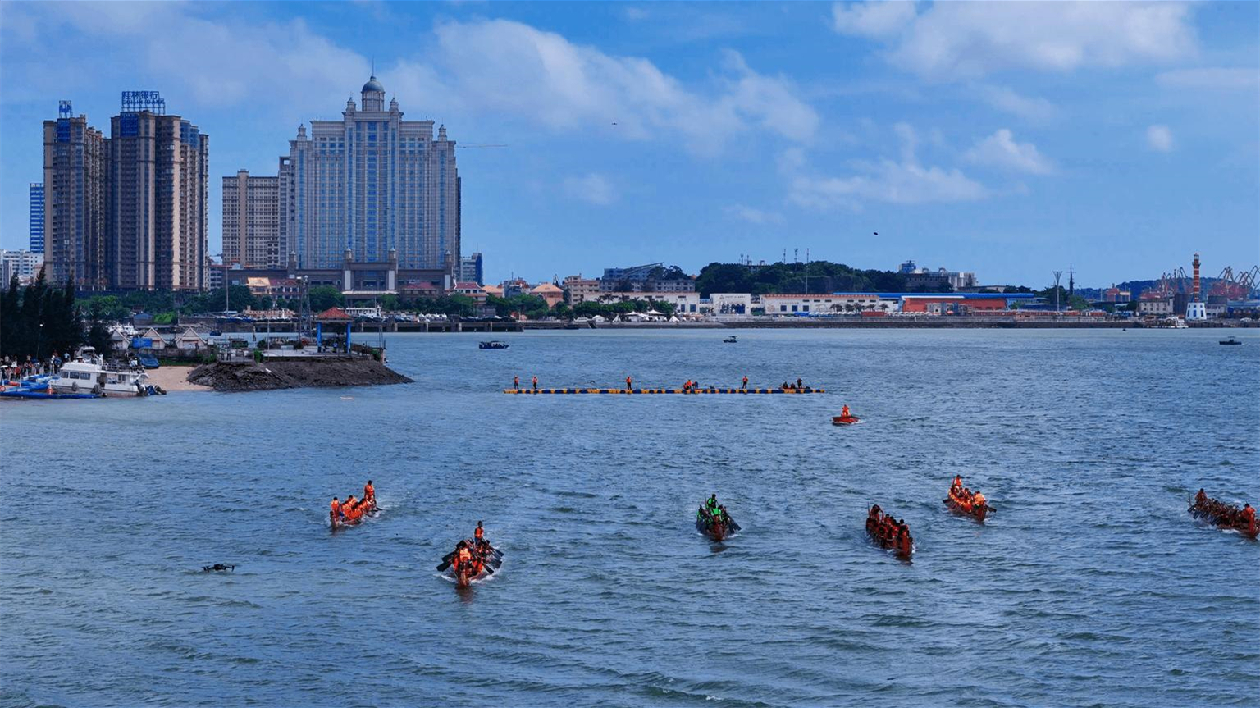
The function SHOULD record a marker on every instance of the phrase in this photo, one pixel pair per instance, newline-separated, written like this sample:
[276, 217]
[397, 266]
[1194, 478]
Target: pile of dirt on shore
[316, 373]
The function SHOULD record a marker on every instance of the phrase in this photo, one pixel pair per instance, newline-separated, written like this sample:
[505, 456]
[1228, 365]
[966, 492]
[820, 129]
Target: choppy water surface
[1090, 585]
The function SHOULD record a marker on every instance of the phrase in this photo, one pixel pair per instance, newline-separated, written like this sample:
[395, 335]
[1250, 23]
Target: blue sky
[1011, 139]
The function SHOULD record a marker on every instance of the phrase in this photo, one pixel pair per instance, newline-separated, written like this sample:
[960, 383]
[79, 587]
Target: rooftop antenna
[1071, 285]
[807, 271]
[1057, 275]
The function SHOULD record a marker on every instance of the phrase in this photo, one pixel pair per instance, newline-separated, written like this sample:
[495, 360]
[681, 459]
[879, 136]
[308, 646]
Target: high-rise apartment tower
[37, 217]
[158, 189]
[74, 200]
[371, 188]
[251, 221]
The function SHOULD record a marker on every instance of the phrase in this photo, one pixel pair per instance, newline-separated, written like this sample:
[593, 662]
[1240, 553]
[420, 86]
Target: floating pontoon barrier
[658, 391]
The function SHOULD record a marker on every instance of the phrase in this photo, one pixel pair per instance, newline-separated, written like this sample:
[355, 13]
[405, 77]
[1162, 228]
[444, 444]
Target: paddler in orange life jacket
[978, 500]
[369, 495]
[905, 544]
[462, 556]
[1249, 515]
[350, 509]
[1201, 498]
[956, 487]
[479, 533]
[334, 513]
[844, 412]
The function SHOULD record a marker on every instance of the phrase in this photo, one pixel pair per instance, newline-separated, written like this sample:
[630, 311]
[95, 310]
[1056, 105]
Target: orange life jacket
[478, 533]
[369, 492]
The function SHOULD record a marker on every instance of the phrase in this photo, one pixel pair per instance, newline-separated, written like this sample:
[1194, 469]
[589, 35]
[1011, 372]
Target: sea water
[1088, 585]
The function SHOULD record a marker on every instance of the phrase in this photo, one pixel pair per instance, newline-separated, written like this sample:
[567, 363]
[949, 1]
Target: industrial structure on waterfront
[128, 212]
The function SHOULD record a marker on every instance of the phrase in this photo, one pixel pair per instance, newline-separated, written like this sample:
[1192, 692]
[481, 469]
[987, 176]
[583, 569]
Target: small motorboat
[492, 344]
[845, 420]
[1232, 341]
[731, 340]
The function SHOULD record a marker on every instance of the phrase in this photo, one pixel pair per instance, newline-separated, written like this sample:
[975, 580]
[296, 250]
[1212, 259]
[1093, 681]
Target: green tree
[38, 320]
[323, 297]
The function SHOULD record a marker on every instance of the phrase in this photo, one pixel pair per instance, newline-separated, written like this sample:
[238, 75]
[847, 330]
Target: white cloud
[278, 63]
[896, 182]
[874, 19]
[513, 68]
[753, 215]
[888, 181]
[1034, 110]
[1000, 150]
[591, 188]
[1211, 78]
[492, 67]
[955, 40]
[1159, 138]
[634, 14]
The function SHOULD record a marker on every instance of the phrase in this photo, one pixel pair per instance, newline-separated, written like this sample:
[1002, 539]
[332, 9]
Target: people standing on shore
[535, 383]
[516, 383]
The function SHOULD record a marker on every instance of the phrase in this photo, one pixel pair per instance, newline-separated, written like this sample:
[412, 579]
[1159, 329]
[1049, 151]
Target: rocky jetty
[290, 373]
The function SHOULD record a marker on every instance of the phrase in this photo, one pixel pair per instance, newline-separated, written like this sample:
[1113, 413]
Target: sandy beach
[174, 378]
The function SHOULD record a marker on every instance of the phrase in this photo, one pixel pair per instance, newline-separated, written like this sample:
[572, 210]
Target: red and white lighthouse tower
[1196, 310]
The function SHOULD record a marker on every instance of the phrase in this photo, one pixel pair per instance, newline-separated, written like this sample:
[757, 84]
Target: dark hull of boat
[717, 532]
[851, 420]
[1252, 531]
[341, 524]
[976, 513]
[39, 395]
[891, 546]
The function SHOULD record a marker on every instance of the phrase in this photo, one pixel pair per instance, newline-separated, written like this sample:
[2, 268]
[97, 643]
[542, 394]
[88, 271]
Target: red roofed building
[333, 314]
[471, 289]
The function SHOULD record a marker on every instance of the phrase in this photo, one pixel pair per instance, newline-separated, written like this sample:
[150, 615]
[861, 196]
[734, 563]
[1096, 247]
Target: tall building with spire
[371, 188]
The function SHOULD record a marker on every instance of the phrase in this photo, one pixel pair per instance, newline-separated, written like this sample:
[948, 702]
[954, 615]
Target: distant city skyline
[1115, 138]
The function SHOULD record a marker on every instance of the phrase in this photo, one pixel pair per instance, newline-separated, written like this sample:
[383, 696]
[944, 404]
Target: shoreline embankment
[277, 374]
